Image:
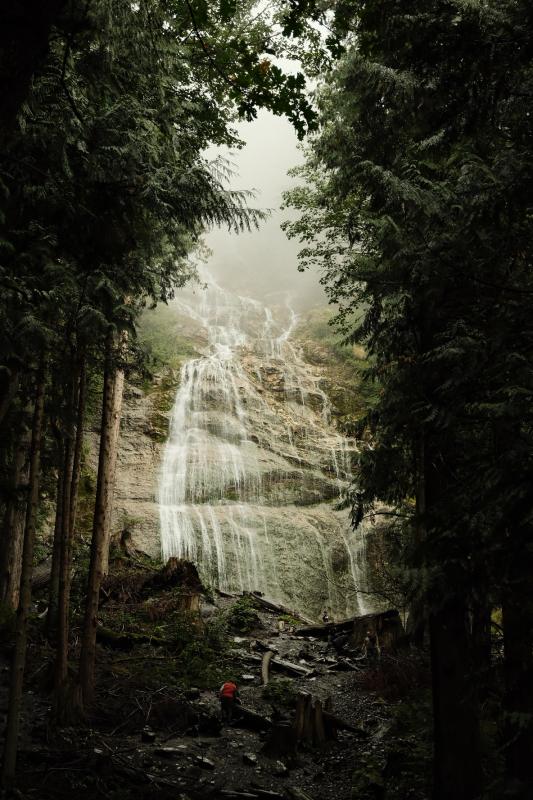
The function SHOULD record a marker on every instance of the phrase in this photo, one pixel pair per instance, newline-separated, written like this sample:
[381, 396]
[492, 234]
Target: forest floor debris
[156, 731]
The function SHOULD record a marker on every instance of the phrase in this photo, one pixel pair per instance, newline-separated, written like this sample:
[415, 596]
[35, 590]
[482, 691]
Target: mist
[263, 263]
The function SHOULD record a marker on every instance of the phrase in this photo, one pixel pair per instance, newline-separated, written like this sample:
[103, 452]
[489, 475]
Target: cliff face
[247, 483]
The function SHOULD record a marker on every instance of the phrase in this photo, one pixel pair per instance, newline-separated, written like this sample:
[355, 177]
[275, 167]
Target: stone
[248, 678]
[280, 769]
[192, 694]
[249, 758]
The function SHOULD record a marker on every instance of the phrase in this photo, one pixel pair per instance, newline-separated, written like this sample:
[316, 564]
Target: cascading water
[253, 463]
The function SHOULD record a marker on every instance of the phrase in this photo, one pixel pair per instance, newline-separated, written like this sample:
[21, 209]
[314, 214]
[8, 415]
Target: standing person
[228, 696]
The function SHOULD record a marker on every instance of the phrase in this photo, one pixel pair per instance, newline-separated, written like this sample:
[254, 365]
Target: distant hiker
[325, 617]
[229, 696]
[371, 647]
[339, 642]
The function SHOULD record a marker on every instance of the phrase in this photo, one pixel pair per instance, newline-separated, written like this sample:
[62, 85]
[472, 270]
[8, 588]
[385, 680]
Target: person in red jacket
[229, 696]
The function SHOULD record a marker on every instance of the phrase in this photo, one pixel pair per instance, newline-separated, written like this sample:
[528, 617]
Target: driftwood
[277, 607]
[386, 625]
[265, 666]
[279, 664]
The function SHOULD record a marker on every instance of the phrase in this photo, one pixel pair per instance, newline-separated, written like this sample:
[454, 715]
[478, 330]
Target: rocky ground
[155, 734]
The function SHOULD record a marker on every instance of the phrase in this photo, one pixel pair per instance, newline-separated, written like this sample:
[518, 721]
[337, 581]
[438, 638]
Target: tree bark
[100, 526]
[116, 413]
[13, 527]
[10, 390]
[457, 757]
[517, 608]
[19, 654]
[53, 593]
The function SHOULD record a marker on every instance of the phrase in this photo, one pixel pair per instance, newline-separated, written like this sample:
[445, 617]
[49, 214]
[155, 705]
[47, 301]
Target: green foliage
[242, 616]
[280, 693]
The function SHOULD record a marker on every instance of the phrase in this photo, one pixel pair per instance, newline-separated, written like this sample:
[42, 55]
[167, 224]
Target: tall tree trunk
[53, 588]
[65, 703]
[13, 526]
[9, 390]
[457, 765]
[457, 770]
[116, 413]
[517, 610]
[100, 524]
[19, 654]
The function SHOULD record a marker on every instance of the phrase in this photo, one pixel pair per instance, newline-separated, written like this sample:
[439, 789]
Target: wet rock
[247, 678]
[280, 769]
[249, 758]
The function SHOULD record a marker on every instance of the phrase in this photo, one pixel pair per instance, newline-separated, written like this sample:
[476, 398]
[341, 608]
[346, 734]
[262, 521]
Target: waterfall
[253, 463]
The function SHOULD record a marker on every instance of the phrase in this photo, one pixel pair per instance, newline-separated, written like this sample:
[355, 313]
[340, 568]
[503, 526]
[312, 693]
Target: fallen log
[386, 624]
[281, 665]
[126, 640]
[277, 607]
[265, 666]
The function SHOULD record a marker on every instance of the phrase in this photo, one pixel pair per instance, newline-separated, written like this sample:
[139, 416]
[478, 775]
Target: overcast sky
[263, 263]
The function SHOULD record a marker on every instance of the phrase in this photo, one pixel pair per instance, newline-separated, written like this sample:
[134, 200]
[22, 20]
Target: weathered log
[386, 624]
[126, 640]
[280, 664]
[277, 607]
[265, 666]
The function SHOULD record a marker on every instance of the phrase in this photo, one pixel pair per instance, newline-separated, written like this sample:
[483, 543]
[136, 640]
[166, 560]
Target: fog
[263, 263]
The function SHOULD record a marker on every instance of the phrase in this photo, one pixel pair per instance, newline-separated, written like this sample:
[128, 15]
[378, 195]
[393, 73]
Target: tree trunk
[9, 391]
[100, 523]
[517, 610]
[19, 654]
[13, 527]
[53, 592]
[457, 770]
[457, 758]
[116, 413]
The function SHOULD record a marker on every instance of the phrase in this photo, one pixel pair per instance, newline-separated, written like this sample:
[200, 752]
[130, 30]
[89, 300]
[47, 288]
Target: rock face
[247, 483]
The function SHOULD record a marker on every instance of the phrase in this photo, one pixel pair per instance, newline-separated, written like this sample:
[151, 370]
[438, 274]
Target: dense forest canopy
[414, 202]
